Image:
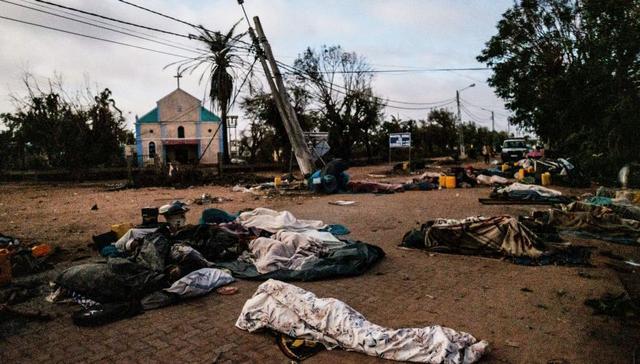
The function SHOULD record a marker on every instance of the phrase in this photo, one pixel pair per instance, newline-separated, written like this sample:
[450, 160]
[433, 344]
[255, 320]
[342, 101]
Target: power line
[485, 109]
[179, 21]
[92, 37]
[417, 70]
[101, 27]
[158, 13]
[113, 19]
[302, 74]
[133, 30]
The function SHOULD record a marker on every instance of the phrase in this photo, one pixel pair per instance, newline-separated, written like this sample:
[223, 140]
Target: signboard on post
[318, 143]
[400, 140]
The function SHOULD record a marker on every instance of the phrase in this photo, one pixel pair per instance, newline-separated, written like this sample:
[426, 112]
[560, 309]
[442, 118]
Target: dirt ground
[528, 314]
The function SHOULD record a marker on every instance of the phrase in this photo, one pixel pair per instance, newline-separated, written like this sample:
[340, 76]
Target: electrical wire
[93, 20]
[114, 19]
[93, 37]
[101, 27]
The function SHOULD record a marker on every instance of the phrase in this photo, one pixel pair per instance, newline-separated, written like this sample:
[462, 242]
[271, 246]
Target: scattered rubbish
[618, 305]
[585, 275]
[174, 213]
[41, 250]
[377, 175]
[5, 310]
[298, 349]
[632, 263]
[342, 203]
[227, 290]
[542, 306]
[513, 344]
[525, 289]
[206, 199]
[94, 207]
[149, 216]
[5, 267]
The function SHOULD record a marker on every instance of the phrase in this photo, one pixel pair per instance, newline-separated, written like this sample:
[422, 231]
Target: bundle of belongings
[299, 314]
[330, 179]
[497, 236]
[290, 249]
[24, 259]
[588, 220]
[519, 193]
[562, 171]
[150, 268]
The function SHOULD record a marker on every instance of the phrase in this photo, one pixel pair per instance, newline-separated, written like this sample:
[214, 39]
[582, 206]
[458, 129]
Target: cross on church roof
[178, 76]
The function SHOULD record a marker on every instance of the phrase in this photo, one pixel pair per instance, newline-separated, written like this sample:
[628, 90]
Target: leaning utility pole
[279, 93]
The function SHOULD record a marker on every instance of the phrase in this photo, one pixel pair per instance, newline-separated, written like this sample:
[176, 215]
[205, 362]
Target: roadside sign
[321, 149]
[400, 140]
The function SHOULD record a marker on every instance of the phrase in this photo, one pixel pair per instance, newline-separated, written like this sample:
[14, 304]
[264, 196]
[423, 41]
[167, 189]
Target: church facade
[178, 130]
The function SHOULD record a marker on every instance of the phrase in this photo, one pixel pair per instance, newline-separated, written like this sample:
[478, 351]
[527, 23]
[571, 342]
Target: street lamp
[462, 151]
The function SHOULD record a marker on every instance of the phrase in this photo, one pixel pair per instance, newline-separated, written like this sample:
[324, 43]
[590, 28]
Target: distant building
[178, 130]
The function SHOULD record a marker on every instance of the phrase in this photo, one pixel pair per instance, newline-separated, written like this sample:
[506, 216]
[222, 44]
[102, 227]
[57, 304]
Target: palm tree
[224, 65]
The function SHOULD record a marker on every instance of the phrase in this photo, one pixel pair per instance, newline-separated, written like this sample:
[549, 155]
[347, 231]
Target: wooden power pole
[279, 93]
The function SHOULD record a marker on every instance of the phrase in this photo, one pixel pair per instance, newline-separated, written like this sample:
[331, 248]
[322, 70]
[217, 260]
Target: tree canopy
[570, 72]
[49, 129]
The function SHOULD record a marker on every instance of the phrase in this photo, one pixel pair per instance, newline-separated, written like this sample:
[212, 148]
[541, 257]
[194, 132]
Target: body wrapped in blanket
[291, 310]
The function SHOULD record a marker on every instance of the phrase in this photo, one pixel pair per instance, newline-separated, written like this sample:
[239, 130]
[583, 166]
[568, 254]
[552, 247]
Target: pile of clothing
[591, 221]
[149, 268]
[497, 236]
[519, 193]
[292, 311]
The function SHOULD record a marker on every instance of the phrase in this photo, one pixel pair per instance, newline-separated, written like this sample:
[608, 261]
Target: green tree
[49, 130]
[570, 71]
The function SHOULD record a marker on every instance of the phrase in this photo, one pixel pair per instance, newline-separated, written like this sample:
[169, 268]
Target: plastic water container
[277, 181]
[505, 167]
[450, 181]
[442, 181]
[5, 267]
[121, 229]
[521, 174]
[546, 178]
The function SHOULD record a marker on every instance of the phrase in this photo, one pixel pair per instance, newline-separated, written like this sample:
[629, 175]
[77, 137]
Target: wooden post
[291, 123]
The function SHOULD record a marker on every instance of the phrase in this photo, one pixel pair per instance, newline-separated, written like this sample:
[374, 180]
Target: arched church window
[152, 150]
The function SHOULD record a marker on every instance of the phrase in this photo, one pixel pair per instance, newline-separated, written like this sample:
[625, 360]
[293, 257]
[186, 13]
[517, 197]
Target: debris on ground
[618, 305]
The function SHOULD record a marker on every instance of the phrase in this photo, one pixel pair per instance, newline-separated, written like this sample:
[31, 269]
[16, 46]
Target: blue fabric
[111, 251]
[216, 216]
[599, 201]
[337, 229]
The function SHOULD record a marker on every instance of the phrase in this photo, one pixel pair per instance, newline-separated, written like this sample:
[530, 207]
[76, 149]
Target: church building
[179, 129]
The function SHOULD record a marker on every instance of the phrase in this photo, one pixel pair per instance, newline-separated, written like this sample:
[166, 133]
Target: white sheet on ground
[542, 191]
[291, 310]
[285, 250]
[125, 241]
[272, 221]
[200, 282]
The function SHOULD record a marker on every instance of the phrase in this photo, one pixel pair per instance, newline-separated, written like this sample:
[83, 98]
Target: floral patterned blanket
[291, 310]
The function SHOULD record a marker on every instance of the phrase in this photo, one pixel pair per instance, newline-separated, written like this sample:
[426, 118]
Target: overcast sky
[389, 33]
